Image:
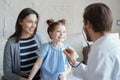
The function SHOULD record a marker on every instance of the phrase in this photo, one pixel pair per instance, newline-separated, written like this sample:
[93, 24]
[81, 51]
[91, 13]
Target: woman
[20, 49]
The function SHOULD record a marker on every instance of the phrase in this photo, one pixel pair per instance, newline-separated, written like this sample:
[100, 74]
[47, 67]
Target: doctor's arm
[70, 55]
[80, 67]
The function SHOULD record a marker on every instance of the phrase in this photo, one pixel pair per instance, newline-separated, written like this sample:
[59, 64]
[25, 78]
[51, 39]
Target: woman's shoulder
[45, 46]
[37, 36]
[11, 40]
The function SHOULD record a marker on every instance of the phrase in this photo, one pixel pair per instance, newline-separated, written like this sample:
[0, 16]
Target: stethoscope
[83, 33]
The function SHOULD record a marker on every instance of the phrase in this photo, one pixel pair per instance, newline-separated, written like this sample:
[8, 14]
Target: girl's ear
[50, 34]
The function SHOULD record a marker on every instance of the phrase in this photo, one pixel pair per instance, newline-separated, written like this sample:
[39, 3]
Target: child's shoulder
[46, 44]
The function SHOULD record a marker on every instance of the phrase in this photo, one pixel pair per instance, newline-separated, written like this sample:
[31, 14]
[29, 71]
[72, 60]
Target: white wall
[71, 10]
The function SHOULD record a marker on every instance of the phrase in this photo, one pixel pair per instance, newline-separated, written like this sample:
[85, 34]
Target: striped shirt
[28, 56]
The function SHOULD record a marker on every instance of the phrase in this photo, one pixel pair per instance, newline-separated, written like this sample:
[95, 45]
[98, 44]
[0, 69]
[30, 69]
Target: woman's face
[28, 25]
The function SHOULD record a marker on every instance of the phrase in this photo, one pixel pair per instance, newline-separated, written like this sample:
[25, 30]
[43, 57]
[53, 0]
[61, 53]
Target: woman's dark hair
[52, 25]
[100, 16]
[22, 15]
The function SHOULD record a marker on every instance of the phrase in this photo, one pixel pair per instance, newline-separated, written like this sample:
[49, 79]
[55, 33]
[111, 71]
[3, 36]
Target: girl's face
[59, 33]
[28, 25]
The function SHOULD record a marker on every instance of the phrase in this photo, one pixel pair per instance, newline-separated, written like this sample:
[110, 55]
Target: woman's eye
[58, 31]
[29, 21]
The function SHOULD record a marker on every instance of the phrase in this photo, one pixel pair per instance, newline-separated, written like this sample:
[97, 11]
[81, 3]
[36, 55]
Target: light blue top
[54, 61]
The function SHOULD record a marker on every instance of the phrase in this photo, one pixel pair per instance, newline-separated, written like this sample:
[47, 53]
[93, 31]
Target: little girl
[52, 61]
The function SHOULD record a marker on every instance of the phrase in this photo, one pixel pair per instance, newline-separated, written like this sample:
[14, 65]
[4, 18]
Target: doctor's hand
[70, 54]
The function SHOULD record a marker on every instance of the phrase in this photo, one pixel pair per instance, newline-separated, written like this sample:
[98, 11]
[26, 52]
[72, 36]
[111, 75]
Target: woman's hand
[22, 78]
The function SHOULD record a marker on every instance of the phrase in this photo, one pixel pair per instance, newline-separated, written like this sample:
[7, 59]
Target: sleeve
[80, 71]
[7, 63]
[76, 64]
[42, 52]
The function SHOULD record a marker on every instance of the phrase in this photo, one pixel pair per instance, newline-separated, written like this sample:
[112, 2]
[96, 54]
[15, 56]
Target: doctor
[104, 56]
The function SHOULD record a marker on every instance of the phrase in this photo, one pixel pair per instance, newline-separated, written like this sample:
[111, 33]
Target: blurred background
[70, 10]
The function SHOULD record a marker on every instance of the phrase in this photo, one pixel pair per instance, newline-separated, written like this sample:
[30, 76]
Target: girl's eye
[58, 31]
[64, 31]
